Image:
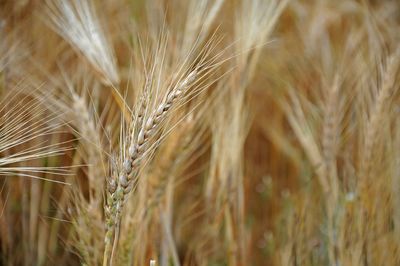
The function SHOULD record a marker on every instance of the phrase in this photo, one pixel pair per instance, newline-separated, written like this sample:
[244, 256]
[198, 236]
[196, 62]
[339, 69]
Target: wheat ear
[378, 113]
[121, 182]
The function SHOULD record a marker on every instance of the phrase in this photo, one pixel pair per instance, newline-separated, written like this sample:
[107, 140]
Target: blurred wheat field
[199, 132]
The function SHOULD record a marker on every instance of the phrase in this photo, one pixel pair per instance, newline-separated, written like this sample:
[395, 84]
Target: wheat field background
[199, 132]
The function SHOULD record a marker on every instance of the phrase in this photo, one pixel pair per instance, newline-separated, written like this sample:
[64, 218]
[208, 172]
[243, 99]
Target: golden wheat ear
[166, 90]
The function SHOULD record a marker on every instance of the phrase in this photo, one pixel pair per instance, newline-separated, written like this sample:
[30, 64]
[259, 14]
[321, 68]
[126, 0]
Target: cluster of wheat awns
[211, 132]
